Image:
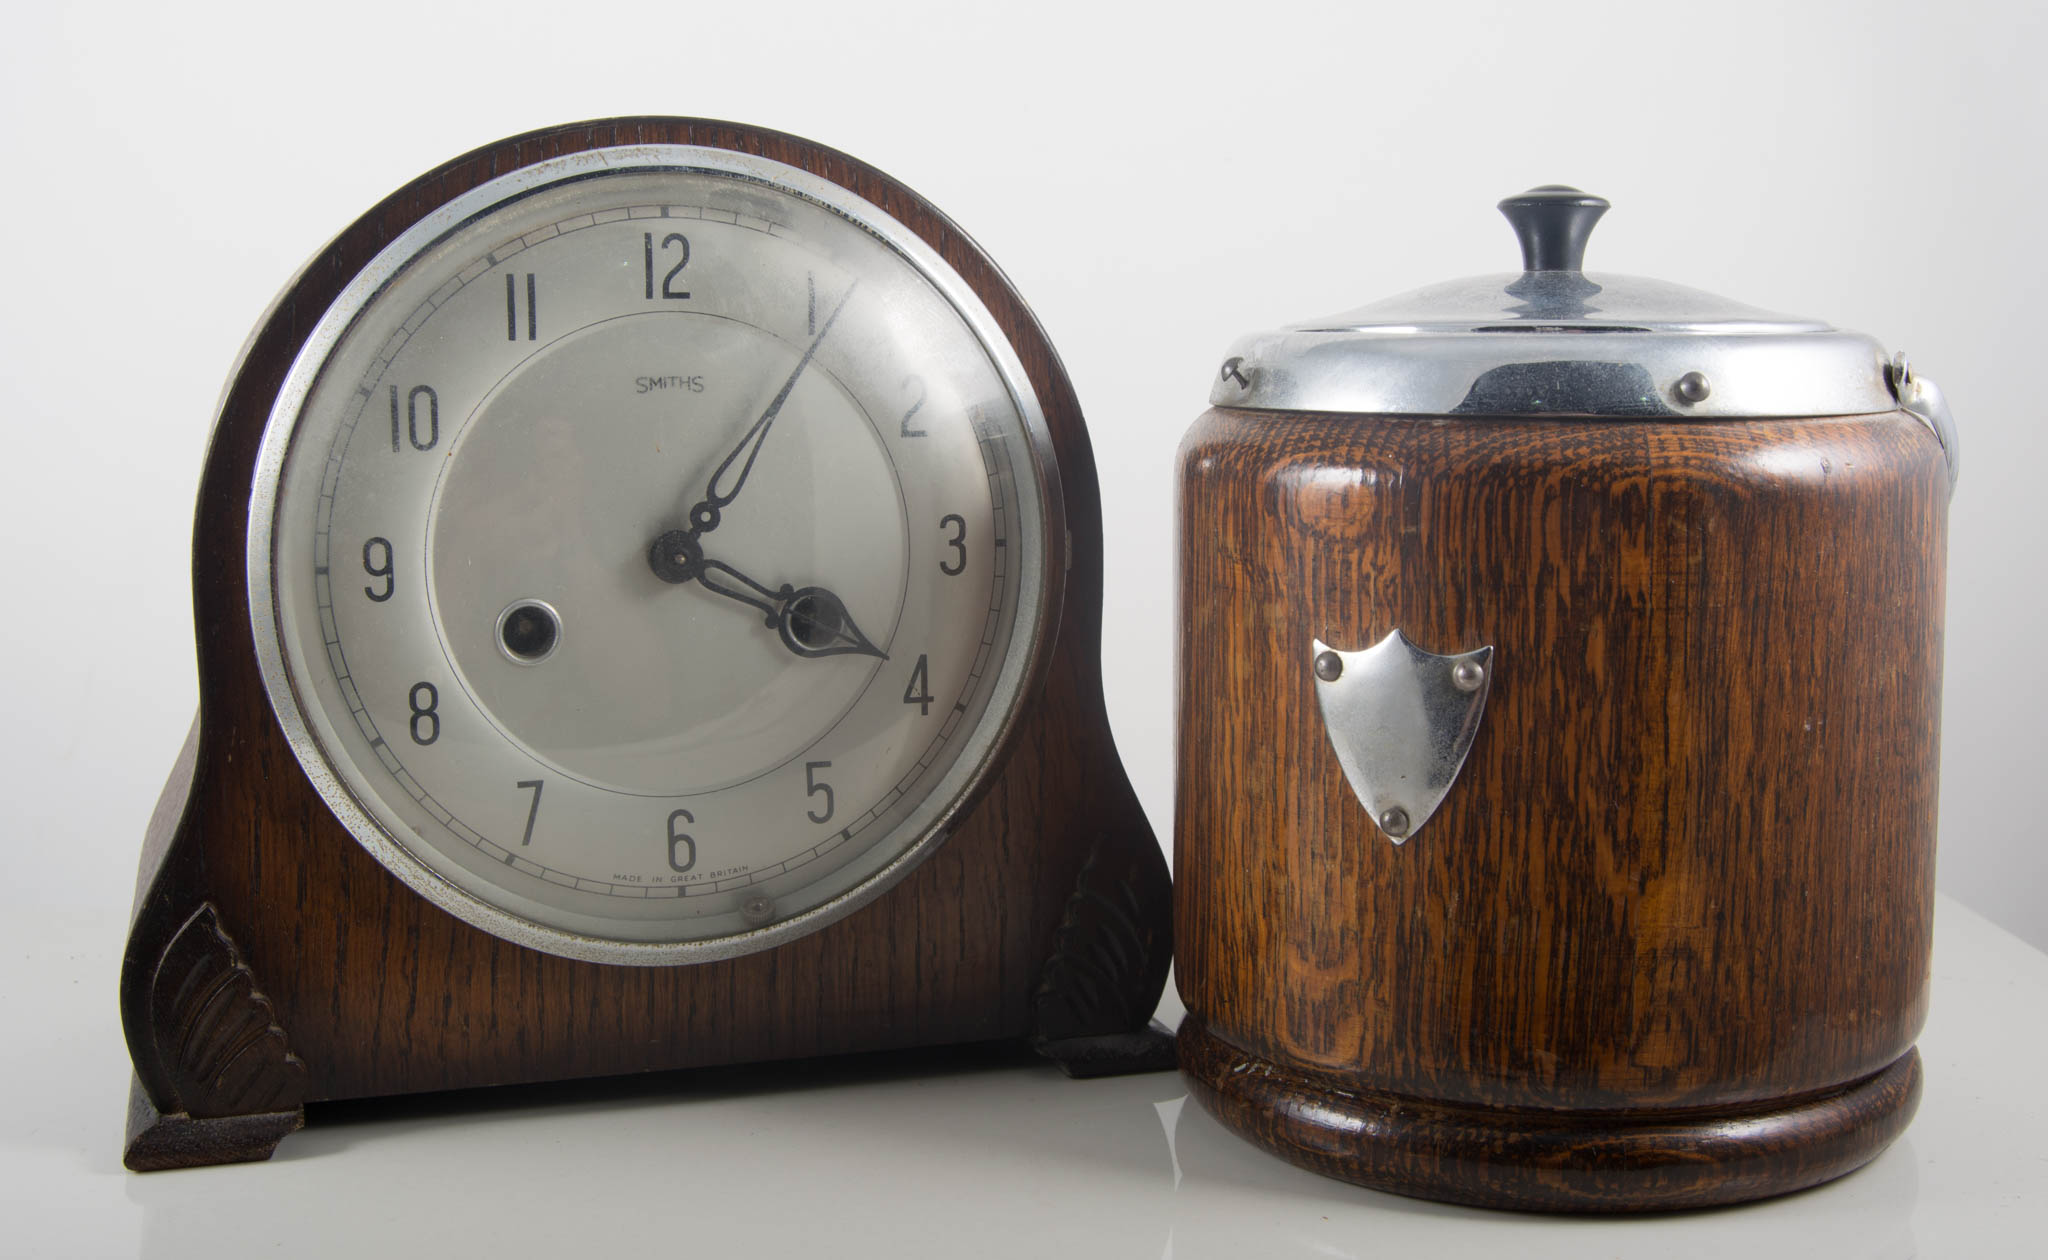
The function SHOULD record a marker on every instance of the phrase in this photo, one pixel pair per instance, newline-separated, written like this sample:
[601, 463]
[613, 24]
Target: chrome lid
[1553, 340]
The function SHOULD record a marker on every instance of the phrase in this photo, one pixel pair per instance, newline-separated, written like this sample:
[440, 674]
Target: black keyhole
[529, 632]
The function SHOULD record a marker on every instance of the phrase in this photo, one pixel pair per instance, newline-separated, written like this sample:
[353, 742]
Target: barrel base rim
[1549, 1161]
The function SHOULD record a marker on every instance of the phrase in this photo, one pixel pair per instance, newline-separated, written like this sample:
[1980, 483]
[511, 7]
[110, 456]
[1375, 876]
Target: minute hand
[704, 515]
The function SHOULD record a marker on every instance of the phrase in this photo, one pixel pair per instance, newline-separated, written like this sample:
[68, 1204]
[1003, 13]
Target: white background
[1155, 179]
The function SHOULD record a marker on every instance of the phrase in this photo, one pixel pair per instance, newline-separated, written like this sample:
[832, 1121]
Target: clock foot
[1093, 1009]
[215, 1080]
[157, 1142]
[1150, 1049]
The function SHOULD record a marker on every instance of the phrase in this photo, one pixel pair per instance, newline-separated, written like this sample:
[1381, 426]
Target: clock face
[650, 551]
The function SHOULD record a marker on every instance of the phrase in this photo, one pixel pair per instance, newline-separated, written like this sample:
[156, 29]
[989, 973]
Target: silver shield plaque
[1401, 721]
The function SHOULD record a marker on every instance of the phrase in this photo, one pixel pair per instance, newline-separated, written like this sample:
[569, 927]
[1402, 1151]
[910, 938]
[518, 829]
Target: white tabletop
[981, 1154]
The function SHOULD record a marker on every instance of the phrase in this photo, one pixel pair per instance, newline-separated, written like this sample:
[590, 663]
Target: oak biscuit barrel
[1559, 702]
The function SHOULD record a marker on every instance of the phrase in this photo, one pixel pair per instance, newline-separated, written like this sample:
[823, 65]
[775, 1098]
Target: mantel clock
[648, 581]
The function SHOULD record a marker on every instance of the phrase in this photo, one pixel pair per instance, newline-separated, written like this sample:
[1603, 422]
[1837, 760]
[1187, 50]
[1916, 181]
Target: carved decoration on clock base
[228, 1087]
[1093, 1009]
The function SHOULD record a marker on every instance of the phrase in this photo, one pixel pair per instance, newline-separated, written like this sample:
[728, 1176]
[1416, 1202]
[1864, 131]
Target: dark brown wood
[218, 1051]
[224, 1085]
[1528, 1159]
[158, 1142]
[379, 992]
[1689, 862]
[1100, 974]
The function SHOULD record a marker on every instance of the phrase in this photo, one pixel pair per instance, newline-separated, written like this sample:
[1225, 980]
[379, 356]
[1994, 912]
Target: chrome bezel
[1041, 578]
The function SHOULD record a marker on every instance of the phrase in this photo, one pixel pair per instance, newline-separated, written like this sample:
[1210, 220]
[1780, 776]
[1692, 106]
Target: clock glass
[650, 552]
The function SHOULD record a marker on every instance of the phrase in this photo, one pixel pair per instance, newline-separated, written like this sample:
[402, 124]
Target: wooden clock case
[271, 962]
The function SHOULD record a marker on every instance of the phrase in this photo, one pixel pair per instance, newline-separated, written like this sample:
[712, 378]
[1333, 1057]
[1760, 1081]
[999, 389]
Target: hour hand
[814, 622]
[811, 621]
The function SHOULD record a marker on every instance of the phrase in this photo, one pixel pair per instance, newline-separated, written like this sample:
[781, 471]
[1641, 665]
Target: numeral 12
[673, 238]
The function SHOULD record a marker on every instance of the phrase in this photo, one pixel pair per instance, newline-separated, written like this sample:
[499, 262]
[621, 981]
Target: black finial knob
[1553, 222]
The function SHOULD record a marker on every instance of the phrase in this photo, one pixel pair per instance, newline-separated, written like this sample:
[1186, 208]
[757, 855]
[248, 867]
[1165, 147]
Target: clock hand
[814, 622]
[811, 621]
[712, 575]
[703, 515]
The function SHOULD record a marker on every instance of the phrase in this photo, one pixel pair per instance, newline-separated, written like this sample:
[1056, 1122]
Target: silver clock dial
[649, 551]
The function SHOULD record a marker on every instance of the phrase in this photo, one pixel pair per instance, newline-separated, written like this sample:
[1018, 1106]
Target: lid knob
[1553, 222]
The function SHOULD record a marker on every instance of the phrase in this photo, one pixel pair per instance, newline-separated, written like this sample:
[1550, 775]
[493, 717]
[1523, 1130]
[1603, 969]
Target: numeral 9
[379, 569]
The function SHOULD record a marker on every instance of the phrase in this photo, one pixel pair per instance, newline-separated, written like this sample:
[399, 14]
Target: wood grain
[382, 993]
[1541, 1160]
[1689, 862]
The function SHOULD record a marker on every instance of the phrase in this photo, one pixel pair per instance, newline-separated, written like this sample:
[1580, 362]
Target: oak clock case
[668, 637]
[1560, 690]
